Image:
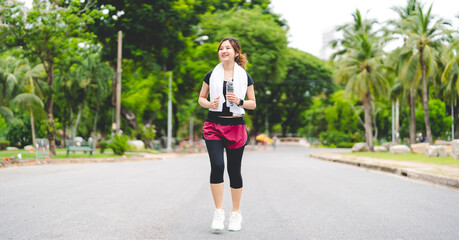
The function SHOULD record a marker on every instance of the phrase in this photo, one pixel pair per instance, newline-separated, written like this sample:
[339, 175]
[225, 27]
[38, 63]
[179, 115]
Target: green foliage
[255, 30]
[3, 145]
[307, 77]
[440, 123]
[2, 123]
[339, 139]
[119, 144]
[314, 118]
[146, 134]
[103, 145]
[293, 88]
[144, 91]
[45, 32]
[341, 115]
[17, 134]
[153, 31]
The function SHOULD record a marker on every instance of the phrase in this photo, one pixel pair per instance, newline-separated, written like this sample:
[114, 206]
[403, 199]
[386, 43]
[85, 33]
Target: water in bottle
[229, 89]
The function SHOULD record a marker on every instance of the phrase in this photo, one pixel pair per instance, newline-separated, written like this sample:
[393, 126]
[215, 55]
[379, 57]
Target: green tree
[18, 80]
[406, 75]
[255, 30]
[44, 34]
[360, 68]
[307, 77]
[423, 36]
[450, 75]
[92, 76]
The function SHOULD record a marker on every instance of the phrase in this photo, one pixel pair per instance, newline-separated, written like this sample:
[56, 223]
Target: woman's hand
[214, 103]
[232, 98]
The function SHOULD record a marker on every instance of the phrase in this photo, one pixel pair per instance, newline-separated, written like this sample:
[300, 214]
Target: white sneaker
[235, 222]
[219, 218]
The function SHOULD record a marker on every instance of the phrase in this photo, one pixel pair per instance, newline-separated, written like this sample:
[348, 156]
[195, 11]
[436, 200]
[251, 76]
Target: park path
[287, 195]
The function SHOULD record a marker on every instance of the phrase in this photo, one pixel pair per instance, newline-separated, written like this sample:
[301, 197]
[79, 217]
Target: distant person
[274, 141]
[224, 127]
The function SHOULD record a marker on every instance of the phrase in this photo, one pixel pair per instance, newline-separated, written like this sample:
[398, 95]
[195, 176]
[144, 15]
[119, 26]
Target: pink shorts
[231, 130]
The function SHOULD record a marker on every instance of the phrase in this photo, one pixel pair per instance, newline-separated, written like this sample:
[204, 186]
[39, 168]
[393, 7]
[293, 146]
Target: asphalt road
[286, 196]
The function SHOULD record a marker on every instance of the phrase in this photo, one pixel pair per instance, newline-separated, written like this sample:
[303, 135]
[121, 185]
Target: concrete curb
[32, 162]
[436, 179]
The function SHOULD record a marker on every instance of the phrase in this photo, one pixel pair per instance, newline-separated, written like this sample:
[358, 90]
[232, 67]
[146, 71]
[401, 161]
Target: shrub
[345, 145]
[119, 144]
[103, 145]
[4, 144]
[334, 137]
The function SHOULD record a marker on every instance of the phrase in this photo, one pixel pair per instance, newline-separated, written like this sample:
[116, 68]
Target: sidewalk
[138, 157]
[445, 175]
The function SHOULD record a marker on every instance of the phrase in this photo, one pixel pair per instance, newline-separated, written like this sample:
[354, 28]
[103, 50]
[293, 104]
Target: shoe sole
[218, 229]
[234, 230]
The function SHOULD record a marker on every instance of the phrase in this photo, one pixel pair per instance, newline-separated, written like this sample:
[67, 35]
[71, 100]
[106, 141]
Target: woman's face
[226, 52]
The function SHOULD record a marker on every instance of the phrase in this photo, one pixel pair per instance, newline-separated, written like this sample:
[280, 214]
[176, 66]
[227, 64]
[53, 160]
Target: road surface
[287, 195]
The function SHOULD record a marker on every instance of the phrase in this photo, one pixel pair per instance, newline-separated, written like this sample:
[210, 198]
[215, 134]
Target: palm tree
[450, 75]
[92, 76]
[29, 101]
[424, 40]
[17, 89]
[360, 67]
[401, 57]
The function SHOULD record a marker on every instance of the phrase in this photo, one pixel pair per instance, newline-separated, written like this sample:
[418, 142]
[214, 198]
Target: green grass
[61, 153]
[413, 157]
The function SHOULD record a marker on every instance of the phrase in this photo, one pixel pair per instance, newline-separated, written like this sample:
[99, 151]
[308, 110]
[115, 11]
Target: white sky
[308, 19]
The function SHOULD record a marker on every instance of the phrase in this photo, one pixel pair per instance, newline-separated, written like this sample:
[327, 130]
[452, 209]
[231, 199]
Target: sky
[308, 19]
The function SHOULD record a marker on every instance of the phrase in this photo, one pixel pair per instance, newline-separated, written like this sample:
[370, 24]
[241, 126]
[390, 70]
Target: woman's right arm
[203, 96]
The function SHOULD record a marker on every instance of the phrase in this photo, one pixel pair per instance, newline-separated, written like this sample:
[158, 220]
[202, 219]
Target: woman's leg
[217, 164]
[234, 160]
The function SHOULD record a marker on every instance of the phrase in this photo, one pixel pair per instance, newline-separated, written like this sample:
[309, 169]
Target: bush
[119, 144]
[345, 145]
[103, 145]
[334, 137]
[4, 144]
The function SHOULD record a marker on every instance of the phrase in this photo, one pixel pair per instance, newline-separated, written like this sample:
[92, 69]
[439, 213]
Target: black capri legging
[217, 163]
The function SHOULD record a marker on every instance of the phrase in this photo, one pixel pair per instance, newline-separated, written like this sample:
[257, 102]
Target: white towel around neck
[216, 87]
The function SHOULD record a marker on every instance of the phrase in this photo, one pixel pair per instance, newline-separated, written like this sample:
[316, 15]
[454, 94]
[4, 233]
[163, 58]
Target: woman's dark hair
[241, 59]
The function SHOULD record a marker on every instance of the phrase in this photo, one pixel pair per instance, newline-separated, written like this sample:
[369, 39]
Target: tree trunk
[425, 97]
[77, 122]
[127, 114]
[130, 116]
[284, 129]
[412, 116]
[94, 141]
[375, 127]
[456, 120]
[64, 126]
[69, 102]
[176, 120]
[50, 127]
[32, 125]
[368, 128]
[290, 114]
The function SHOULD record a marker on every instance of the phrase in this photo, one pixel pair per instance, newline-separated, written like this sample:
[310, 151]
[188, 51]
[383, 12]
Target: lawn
[61, 153]
[409, 157]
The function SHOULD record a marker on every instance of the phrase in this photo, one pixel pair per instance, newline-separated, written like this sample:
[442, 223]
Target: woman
[224, 127]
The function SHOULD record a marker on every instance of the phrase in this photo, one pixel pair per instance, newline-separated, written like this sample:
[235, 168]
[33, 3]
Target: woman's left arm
[250, 103]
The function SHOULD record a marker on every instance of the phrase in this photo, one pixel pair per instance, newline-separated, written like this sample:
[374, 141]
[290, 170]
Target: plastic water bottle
[229, 89]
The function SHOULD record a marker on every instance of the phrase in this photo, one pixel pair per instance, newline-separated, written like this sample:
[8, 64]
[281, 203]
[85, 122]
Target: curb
[32, 162]
[413, 174]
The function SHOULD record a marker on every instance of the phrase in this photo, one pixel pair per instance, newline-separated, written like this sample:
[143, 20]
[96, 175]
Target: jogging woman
[224, 127]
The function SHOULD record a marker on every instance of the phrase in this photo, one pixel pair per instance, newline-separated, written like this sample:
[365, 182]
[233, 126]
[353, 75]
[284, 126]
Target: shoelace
[233, 217]
[219, 214]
